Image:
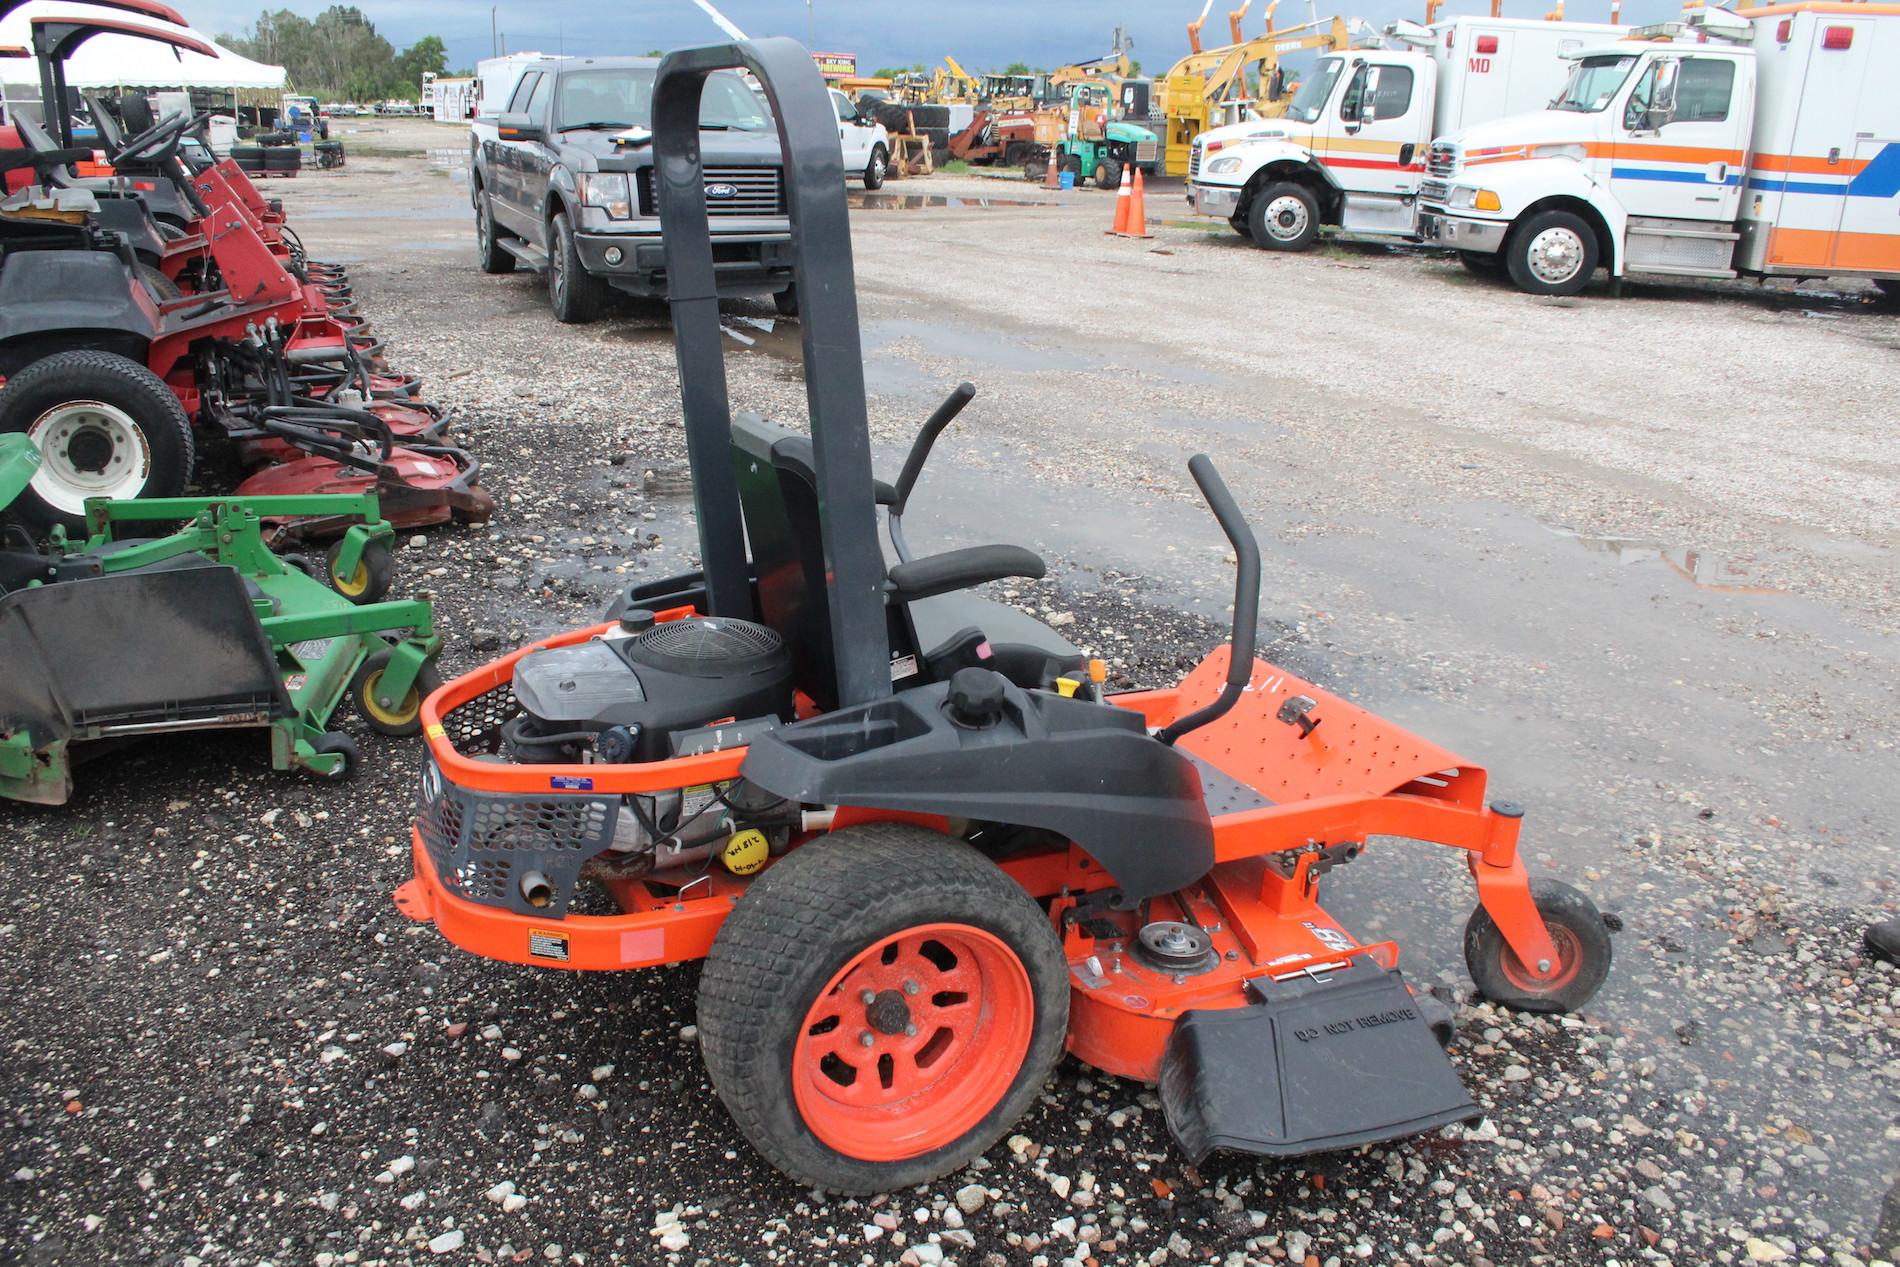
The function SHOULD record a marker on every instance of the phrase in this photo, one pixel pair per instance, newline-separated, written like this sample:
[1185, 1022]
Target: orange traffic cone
[1052, 175]
[1124, 198]
[1137, 226]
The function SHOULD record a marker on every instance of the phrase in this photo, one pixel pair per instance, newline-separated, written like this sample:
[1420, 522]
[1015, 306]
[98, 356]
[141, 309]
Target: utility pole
[494, 39]
[811, 26]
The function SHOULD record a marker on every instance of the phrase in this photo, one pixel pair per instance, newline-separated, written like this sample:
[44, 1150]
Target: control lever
[1246, 597]
[933, 427]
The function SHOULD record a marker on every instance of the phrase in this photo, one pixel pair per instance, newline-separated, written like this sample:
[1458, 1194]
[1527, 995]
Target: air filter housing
[678, 675]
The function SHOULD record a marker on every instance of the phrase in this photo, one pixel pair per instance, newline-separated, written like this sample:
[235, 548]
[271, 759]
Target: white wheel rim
[1555, 256]
[88, 449]
[1286, 218]
[877, 166]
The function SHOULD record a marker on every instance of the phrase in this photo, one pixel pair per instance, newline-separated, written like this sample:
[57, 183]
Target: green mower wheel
[335, 741]
[369, 582]
[401, 718]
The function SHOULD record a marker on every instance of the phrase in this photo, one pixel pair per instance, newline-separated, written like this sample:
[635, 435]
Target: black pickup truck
[562, 180]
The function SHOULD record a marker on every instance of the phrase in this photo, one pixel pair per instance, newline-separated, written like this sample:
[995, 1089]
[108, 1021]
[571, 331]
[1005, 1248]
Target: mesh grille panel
[482, 843]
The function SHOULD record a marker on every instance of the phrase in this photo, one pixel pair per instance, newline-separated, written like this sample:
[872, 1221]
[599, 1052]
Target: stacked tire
[283, 160]
[249, 158]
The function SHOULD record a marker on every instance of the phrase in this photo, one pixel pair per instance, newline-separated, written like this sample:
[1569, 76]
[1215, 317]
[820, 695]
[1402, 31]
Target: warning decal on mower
[312, 649]
[546, 944]
[1331, 938]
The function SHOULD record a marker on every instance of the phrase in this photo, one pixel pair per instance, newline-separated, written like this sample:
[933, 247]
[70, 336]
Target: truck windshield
[1593, 81]
[622, 97]
[1310, 101]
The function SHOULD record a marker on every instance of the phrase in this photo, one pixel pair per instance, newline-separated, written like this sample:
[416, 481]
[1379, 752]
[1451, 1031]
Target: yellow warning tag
[434, 730]
[746, 852]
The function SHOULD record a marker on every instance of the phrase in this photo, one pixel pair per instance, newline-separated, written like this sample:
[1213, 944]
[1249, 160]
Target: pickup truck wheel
[576, 296]
[1283, 217]
[874, 170]
[495, 258]
[1552, 253]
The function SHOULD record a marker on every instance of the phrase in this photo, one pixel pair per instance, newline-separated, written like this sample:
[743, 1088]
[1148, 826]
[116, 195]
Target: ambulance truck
[1759, 143]
[1350, 151]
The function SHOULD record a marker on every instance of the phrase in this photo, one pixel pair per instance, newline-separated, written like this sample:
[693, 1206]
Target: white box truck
[1762, 142]
[1350, 151]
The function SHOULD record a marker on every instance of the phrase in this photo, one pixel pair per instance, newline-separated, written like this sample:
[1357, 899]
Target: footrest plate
[1320, 1064]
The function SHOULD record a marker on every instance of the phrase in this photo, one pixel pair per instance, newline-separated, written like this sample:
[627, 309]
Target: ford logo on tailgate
[722, 190]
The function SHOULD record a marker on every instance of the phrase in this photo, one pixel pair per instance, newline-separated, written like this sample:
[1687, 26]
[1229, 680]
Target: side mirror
[1662, 107]
[515, 126]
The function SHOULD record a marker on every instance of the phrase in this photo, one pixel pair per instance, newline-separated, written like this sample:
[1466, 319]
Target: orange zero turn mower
[920, 849]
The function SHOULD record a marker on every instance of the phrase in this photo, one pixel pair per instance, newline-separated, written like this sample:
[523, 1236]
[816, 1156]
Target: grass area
[955, 167]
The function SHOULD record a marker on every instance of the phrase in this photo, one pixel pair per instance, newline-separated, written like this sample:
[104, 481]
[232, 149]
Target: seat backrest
[781, 521]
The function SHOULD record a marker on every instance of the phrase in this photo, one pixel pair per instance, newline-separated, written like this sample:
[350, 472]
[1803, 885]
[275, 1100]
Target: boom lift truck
[1762, 143]
[1238, 82]
[919, 848]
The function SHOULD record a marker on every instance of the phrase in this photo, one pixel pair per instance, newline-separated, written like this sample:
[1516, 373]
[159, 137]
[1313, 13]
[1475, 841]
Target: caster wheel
[338, 742]
[1583, 950]
[370, 582]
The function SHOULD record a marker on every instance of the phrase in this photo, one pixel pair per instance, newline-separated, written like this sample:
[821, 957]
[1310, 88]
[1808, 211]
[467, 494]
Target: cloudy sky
[982, 34]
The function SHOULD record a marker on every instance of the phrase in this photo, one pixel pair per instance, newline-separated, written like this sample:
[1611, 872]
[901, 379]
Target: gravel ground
[1636, 554]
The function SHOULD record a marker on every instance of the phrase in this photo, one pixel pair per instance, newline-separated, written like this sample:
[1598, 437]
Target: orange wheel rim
[913, 1042]
[1569, 964]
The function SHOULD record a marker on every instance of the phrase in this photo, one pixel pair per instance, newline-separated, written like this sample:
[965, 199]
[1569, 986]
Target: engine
[649, 694]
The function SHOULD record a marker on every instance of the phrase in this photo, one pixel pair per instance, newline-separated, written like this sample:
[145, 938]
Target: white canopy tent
[110, 61]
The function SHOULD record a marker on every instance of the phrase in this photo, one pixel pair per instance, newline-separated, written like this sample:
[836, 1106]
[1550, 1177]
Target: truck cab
[561, 177]
[1638, 165]
[1347, 153]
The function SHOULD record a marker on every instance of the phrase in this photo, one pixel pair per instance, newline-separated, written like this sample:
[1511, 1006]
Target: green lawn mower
[128, 634]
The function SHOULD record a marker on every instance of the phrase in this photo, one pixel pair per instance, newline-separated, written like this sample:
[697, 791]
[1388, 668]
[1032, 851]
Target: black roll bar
[813, 183]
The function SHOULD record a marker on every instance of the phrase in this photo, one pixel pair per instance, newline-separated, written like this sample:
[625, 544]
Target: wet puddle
[860, 201]
[1713, 573]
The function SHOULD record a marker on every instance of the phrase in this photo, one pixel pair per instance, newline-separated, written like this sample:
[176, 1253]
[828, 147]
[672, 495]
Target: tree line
[338, 56]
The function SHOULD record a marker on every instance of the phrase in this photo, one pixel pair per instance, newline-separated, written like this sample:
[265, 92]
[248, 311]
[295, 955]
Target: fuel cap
[976, 698]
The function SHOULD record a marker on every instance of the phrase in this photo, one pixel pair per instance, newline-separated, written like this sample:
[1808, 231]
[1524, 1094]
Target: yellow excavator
[1222, 85]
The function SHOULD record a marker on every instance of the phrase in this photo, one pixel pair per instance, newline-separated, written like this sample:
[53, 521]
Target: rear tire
[1552, 253]
[1283, 217]
[969, 1008]
[575, 295]
[105, 426]
[495, 258]
[1108, 174]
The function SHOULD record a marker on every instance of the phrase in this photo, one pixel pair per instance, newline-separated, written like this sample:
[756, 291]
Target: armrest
[960, 569]
[886, 494]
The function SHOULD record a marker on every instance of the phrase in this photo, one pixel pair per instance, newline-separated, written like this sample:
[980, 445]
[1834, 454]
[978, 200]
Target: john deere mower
[920, 849]
[121, 636]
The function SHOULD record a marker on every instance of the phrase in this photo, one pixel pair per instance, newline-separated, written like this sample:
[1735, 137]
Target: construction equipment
[121, 635]
[1234, 83]
[919, 847]
[1090, 139]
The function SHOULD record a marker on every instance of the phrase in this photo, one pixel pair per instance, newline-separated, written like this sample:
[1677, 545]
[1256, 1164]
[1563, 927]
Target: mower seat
[778, 492]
